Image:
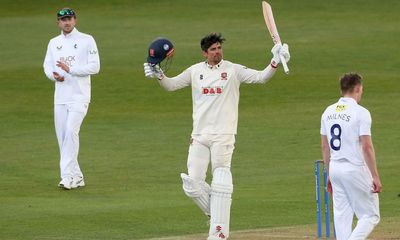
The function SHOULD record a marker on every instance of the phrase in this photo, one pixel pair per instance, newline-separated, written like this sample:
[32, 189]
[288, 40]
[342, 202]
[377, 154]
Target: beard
[68, 29]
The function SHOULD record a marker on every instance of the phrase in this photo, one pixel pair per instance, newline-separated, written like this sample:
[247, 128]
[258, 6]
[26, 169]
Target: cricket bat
[273, 31]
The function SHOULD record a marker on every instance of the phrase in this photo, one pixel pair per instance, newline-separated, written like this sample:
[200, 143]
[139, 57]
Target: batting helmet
[160, 49]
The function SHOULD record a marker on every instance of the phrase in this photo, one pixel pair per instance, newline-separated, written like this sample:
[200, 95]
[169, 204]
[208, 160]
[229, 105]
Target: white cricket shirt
[79, 52]
[215, 93]
[343, 123]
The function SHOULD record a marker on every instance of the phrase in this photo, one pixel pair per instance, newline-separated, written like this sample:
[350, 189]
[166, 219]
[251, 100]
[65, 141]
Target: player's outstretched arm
[247, 75]
[169, 84]
[279, 52]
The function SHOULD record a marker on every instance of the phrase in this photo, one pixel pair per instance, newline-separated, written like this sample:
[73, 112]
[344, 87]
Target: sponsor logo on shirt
[340, 108]
[68, 60]
[212, 90]
[201, 77]
[76, 46]
[59, 47]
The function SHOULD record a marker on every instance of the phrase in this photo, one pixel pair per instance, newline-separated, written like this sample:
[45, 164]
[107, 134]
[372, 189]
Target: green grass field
[134, 139]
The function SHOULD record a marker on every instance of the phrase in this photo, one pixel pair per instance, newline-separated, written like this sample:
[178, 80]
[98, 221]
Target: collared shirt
[79, 52]
[215, 93]
[343, 123]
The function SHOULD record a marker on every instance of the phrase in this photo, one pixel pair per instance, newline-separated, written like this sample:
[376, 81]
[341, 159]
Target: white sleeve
[248, 75]
[365, 123]
[48, 64]
[93, 63]
[177, 82]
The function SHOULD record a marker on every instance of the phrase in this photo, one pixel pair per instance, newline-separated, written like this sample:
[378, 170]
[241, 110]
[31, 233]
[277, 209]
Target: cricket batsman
[215, 86]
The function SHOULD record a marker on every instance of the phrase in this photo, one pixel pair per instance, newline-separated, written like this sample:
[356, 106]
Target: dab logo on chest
[212, 90]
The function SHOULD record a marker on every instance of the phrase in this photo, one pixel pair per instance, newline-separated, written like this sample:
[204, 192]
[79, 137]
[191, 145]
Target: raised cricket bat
[273, 31]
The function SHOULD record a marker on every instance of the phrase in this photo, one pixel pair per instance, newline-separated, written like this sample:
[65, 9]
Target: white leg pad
[198, 191]
[220, 204]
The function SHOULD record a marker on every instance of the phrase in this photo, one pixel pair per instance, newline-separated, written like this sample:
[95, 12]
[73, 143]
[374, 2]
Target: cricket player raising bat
[215, 86]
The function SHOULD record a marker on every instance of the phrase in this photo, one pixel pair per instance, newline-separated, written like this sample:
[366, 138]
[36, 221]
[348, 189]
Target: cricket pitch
[387, 229]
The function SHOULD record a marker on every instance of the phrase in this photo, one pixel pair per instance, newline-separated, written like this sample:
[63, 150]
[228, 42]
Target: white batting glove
[148, 70]
[153, 71]
[284, 51]
[158, 72]
[275, 51]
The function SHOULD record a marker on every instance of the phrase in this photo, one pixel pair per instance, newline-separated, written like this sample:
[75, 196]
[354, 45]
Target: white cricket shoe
[66, 183]
[77, 182]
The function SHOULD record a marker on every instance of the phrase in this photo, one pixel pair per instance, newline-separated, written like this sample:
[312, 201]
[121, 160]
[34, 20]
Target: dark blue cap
[160, 49]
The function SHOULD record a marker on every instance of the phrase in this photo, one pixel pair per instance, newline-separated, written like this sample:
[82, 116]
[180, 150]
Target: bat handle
[284, 64]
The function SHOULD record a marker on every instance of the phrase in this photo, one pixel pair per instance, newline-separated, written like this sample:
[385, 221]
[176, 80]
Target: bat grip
[284, 64]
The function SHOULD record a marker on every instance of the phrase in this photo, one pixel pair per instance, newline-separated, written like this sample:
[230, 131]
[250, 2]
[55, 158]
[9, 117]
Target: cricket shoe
[66, 183]
[77, 182]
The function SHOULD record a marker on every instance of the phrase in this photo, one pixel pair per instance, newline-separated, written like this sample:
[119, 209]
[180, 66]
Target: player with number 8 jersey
[349, 157]
[343, 122]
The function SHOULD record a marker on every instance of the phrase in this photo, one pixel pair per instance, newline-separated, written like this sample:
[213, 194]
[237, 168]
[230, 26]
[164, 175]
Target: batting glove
[153, 71]
[275, 51]
[148, 70]
[158, 72]
[284, 51]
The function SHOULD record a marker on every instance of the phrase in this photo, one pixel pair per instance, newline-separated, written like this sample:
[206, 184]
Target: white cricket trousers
[67, 120]
[206, 147]
[218, 149]
[352, 193]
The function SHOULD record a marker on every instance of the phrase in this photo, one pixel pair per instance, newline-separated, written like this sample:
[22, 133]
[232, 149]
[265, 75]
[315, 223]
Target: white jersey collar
[71, 34]
[348, 100]
[215, 66]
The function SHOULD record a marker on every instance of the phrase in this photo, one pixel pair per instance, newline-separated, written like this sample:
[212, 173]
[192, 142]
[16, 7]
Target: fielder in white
[70, 60]
[349, 155]
[215, 95]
